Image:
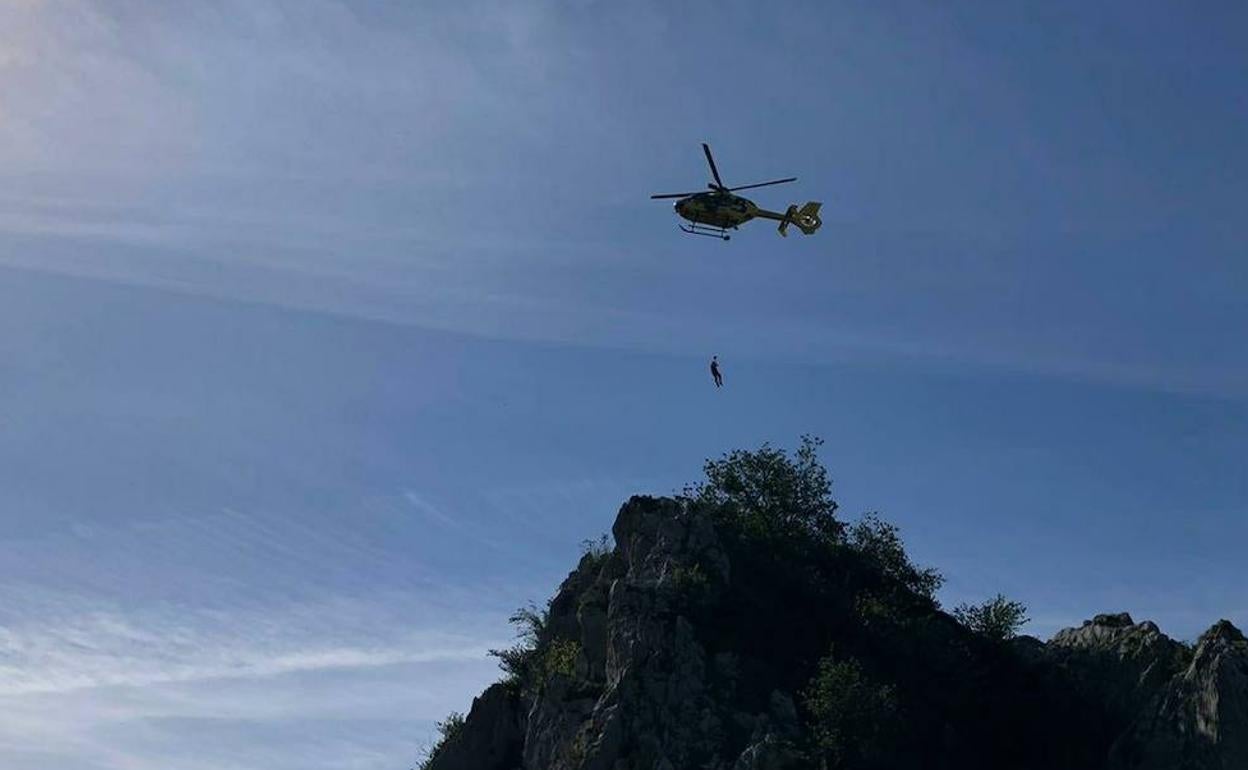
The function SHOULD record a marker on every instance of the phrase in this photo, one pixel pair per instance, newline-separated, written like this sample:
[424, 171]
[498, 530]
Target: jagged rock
[1201, 720]
[687, 648]
[769, 753]
[641, 694]
[491, 737]
[1118, 663]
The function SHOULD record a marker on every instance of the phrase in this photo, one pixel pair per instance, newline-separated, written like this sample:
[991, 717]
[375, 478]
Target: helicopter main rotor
[718, 185]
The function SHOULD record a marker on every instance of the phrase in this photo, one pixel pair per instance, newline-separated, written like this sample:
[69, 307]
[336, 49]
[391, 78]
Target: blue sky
[328, 330]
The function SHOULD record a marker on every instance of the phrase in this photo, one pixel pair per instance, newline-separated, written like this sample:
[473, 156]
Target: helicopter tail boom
[806, 218]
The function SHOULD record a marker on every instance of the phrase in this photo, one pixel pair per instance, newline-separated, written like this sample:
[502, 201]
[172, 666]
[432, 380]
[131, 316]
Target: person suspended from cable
[715, 373]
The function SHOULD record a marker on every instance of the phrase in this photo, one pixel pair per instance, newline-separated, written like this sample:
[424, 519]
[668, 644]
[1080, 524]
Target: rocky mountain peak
[698, 643]
[1113, 620]
[1222, 633]
[1200, 718]
[1115, 633]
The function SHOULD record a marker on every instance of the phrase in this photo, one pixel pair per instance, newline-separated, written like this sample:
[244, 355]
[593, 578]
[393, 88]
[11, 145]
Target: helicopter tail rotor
[806, 218]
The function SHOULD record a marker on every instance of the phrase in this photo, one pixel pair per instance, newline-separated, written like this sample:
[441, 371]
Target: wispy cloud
[296, 640]
[131, 689]
[165, 645]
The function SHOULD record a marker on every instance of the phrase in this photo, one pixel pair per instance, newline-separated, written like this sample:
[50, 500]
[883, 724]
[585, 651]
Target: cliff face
[642, 687]
[492, 736]
[689, 646]
[1117, 664]
[1200, 717]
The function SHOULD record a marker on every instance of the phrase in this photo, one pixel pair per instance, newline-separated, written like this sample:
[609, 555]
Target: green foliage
[449, 730]
[519, 661]
[781, 506]
[535, 658]
[560, 658]
[998, 618]
[596, 551]
[769, 493]
[881, 543]
[692, 588]
[874, 610]
[689, 579]
[851, 717]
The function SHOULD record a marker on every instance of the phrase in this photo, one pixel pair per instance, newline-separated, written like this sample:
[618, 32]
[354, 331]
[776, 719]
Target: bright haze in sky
[329, 330]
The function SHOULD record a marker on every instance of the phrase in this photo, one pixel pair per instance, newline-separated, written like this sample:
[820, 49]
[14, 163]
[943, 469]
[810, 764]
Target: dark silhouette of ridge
[742, 627]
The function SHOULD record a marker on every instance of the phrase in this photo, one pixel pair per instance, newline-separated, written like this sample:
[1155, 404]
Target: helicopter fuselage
[717, 209]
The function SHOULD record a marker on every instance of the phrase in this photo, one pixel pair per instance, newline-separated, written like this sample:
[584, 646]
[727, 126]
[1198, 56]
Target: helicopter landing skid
[707, 230]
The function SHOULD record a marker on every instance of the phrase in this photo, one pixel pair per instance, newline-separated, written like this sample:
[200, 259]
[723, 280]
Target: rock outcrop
[640, 690]
[1117, 664]
[1200, 718]
[492, 734]
[689, 646]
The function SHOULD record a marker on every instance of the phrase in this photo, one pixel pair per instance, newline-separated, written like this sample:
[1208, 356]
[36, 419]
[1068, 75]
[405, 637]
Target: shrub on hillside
[769, 493]
[520, 661]
[881, 543]
[851, 718]
[535, 657]
[776, 499]
[998, 618]
[448, 730]
[560, 658]
[597, 551]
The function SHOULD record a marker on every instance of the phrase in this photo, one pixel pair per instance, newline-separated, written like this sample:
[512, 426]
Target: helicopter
[714, 213]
